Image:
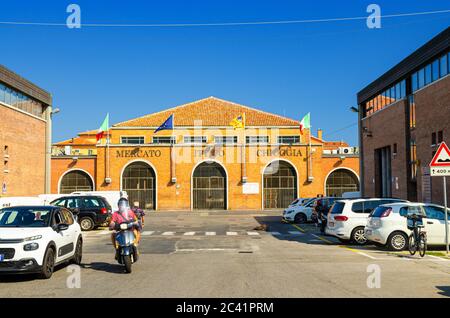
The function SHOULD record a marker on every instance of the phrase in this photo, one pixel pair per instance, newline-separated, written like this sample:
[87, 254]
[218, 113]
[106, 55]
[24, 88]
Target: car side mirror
[61, 227]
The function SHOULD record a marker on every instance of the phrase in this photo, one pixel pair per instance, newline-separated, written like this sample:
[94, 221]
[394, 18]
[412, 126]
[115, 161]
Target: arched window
[75, 180]
[209, 186]
[280, 185]
[340, 181]
[139, 180]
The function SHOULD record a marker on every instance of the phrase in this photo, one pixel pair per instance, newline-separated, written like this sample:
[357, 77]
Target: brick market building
[200, 163]
[404, 116]
[25, 136]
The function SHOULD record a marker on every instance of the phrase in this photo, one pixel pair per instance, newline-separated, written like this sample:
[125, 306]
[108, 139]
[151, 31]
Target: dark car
[91, 211]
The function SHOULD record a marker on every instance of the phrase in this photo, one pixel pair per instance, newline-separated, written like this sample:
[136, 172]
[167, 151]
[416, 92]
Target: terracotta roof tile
[211, 111]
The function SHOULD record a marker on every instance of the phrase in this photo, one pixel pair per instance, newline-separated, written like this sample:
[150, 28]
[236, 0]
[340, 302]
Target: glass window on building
[443, 69]
[288, 140]
[421, 75]
[435, 70]
[428, 78]
[257, 139]
[222, 140]
[195, 139]
[164, 140]
[415, 82]
[134, 140]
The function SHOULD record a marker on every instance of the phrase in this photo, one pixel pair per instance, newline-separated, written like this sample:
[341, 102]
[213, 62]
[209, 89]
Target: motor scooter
[126, 245]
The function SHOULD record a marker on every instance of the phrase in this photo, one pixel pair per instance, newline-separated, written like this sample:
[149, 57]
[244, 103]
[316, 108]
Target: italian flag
[305, 123]
[103, 128]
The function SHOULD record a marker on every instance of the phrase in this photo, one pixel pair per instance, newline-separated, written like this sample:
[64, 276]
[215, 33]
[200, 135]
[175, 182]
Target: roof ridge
[164, 110]
[254, 109]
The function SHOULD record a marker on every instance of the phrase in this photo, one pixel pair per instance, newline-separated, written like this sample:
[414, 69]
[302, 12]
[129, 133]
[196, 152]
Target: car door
[62, 238]
[73, 231]
[435, 224]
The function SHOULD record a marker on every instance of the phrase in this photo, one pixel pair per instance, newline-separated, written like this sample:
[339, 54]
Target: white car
[387, 225]
[33, 239]
[299, 213]
[347, 218]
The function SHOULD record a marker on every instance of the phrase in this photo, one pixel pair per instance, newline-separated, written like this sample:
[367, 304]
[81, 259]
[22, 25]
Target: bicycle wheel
[422, 245]
[412, 244]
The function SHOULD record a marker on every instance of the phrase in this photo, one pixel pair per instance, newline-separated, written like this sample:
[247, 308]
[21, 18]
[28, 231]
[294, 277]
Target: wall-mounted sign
[138, 153]
[250, 188]
[279, 152]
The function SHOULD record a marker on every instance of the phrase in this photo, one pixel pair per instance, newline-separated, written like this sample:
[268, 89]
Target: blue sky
[285, 69]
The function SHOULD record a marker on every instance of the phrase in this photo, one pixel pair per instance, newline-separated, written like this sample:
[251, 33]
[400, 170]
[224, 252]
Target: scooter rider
[124, 214]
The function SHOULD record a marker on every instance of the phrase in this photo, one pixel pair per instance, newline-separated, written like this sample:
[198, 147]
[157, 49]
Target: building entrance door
[209, 185]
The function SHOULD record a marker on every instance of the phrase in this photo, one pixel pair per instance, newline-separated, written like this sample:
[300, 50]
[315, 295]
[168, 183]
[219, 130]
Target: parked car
[348, 218]
[299, 201]
[91, 210]
[34, 239]
[111, 196]
[387, 224]
[300, 213]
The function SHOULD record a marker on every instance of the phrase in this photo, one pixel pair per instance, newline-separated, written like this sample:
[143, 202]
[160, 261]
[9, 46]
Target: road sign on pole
[440, 166]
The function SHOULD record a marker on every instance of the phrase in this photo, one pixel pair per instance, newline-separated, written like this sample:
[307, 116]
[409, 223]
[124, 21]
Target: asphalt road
[221, 255]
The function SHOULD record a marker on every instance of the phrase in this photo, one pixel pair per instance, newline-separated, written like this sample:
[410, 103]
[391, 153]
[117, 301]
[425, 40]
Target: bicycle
[418, 238]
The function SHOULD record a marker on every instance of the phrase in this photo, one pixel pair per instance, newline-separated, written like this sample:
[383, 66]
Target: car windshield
[25, 217]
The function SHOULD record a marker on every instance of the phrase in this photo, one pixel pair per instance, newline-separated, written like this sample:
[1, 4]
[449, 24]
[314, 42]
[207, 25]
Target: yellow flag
[238, 122]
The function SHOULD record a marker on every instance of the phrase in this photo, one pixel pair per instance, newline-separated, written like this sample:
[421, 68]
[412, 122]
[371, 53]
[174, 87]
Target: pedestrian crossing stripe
[198, 233]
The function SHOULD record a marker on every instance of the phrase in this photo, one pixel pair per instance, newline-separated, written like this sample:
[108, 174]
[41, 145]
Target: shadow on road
[105, 267]
[25, 277]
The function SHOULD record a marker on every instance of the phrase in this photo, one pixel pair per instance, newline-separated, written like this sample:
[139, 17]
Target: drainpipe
[48, 148]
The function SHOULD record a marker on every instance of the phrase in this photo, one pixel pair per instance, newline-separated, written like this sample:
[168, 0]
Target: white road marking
[367, 255]
[103, 232]
[210, 233]
[252, 233]
[189, 233]
[438, 258]
[168, 233]
[275, 233]
[231, 233]
[295, 233]
[148, 232]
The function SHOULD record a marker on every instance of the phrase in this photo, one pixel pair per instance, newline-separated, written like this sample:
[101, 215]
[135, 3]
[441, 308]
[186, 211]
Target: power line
[340, 129]
[225, 23]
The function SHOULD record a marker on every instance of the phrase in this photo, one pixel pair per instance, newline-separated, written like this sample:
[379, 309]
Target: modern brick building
[404, 116]
[25, 136]
[200, 163]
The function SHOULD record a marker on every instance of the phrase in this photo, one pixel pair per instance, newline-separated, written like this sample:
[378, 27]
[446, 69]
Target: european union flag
[168, 124]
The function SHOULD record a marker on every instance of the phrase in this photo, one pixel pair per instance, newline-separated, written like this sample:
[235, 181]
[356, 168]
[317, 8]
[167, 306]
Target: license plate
[2, 257]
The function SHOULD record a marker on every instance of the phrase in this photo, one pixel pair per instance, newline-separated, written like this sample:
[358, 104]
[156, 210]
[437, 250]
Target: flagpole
[107, 151]
[243, 154]
[172, 155]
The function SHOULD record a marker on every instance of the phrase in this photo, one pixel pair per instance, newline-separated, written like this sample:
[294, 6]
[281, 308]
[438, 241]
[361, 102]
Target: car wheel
[86, 224]
[300, 218]
[48, 265]
[397, 241]
[358, 236]
[78, 253]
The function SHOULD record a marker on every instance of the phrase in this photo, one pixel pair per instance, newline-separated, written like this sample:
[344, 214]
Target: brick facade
[24, 137]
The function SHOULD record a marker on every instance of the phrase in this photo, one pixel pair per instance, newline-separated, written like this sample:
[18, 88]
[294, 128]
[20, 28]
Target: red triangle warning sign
[442, 157]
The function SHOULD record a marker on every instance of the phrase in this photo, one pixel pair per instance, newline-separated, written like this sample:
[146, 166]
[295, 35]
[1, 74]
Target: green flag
[305, 123]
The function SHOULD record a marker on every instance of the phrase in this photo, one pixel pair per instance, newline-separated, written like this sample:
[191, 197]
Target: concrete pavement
[237, 261]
